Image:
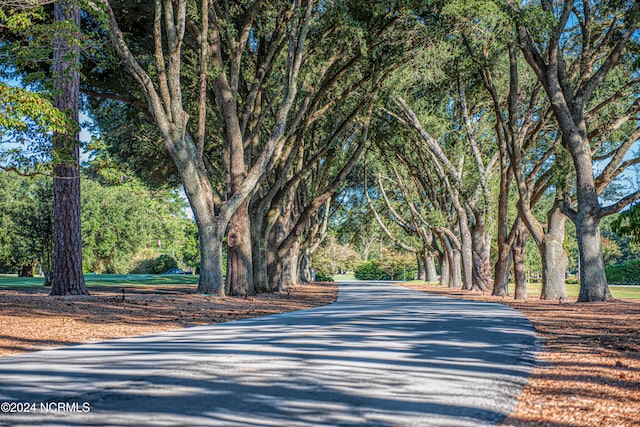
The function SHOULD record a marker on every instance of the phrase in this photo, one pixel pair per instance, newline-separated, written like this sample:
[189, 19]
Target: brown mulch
[30, 320]
[589, 370]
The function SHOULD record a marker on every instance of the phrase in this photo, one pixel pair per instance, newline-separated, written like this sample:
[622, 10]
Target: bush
[156, 265]
[625, 273]
[323, 277]
[371, 270]
[386, 269]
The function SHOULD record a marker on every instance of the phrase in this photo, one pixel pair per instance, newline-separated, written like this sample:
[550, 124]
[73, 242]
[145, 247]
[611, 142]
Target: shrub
[156, 265]
[386, 269]
[371, 270]
[323, 277]
[625, 273]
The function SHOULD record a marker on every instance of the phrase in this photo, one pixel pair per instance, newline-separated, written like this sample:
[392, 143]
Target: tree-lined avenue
[381, 355]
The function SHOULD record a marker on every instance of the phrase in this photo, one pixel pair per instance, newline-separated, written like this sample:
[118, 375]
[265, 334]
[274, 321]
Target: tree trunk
[455, 269]
[259, 253]
[501, 272]
[211, 279]
[239, 258]
[431, 273]
[593, 282]
[67, 254]
[304, 266]
[289, 276]
[26, 271]
[445, 277]
[46, 263]
[518, 255]
[466, 254]
[199, 193]
[422, 261]
[481, 254]
[554, 257]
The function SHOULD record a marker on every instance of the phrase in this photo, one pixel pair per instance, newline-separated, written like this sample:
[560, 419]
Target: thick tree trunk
[421, 267]
[501, 272]
[554, 257]
[466, 254]
[430, 263]
[199, 193]
[67, 256]
[481, 254]
[455, 269]
[272, 260]
[518, 255]
[289, 275]
[211, 279]
[259, 253]
[239, 257]
[593, 282]
[503, 261]
[445, 278]
[304, 267]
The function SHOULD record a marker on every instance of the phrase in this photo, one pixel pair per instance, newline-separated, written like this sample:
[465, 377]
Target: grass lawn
[343, 277]
[13, 281]
[533, 289]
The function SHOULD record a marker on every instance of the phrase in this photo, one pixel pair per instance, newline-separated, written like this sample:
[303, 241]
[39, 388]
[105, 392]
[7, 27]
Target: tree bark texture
[455, 269]
[239, 258]
[518, 255]
[445, 278]
[68, 278]
[431, 273]
[466, 253]
[481, 254]
[554, 258]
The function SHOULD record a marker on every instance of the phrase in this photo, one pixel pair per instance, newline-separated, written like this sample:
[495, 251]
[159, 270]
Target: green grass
[533, 289]
[343, 277]
[13, 281]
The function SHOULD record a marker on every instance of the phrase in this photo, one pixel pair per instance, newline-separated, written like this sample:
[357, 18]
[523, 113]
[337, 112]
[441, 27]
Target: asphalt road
[381, 356]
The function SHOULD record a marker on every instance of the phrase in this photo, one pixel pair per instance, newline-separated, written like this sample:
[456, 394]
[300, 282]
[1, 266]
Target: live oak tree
[264, 91]
[164, 93]
[573, 56]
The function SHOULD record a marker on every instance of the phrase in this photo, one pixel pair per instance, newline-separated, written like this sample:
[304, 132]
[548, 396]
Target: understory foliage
[627, 273]
[126, 227]
[385, 270]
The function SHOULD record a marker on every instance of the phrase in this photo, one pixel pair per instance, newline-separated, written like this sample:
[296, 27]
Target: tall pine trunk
[67, 237]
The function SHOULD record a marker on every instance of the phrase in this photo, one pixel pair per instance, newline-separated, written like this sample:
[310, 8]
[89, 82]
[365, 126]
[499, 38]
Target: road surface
[382, 355]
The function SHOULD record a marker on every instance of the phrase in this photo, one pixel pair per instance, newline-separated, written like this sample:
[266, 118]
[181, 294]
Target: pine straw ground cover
[32, 321]
[589, 370]
[589, 373]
